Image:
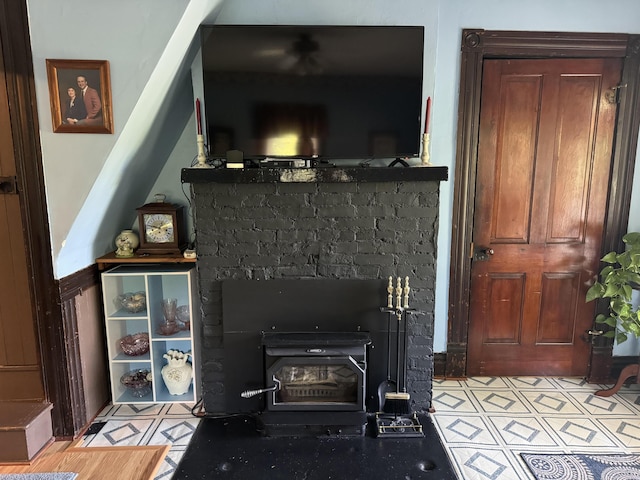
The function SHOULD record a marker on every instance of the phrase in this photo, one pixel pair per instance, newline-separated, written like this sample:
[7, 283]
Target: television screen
[328, 92]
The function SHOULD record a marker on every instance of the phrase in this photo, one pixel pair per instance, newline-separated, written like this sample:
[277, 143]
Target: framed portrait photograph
[80, 96]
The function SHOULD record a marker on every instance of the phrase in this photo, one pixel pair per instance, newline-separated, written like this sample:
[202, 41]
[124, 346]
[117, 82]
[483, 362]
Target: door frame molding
[476, 46]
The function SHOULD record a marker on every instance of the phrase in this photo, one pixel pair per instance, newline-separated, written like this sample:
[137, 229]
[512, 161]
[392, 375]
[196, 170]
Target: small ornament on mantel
[126, 242]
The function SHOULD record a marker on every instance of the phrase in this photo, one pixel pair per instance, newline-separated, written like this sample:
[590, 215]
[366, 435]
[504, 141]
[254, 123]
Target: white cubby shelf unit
[157, 282]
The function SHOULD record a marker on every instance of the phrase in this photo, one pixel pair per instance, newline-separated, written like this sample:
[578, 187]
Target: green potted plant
[617, 281]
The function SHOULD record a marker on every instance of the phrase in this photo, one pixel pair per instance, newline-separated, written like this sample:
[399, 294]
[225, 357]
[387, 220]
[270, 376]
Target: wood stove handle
[253, 393]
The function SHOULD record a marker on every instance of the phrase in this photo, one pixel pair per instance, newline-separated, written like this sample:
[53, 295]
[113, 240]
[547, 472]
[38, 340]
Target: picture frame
[88, 113]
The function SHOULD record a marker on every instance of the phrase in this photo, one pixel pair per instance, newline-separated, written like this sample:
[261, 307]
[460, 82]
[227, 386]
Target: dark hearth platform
[235, 449]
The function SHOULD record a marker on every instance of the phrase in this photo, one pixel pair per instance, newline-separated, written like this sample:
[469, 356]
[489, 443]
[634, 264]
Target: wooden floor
[95, 463]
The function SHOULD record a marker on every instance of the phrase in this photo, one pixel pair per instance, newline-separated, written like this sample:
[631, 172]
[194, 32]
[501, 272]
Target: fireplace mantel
[314, 175]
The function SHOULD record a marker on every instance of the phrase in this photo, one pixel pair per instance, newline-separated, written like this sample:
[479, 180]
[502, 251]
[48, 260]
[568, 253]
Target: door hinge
[8, 185]
[613, 94]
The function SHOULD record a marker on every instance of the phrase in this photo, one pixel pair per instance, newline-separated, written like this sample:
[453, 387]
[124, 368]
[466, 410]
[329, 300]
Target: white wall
[94, 182]
[132, 37]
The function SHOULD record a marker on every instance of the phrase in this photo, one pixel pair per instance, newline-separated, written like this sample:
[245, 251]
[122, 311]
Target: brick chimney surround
[331, 224]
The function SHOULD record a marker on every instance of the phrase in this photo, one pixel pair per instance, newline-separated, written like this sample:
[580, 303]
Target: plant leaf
[632, 238]
[595, 291]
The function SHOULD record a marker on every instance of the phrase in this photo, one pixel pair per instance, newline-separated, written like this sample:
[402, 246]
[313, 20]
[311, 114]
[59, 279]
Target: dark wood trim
[439, 364]
[70, 377]
[73, 285]
[16, 52]
[476, 46]
[464, 193]
[504, 43]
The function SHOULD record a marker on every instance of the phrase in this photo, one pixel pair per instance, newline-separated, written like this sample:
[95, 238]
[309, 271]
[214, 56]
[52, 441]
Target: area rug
[39, 476]
[583, 467]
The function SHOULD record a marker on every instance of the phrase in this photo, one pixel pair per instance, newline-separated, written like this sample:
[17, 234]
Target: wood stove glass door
[317, 383]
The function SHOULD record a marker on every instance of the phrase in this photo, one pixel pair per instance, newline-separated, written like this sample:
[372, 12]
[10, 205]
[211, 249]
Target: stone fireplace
[309, 250]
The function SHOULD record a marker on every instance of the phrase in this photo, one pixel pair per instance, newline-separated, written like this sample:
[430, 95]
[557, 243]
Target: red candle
[198, 119]
[427, 116]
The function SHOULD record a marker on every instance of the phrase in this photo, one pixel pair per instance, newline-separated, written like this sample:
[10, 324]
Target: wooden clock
[161, 228]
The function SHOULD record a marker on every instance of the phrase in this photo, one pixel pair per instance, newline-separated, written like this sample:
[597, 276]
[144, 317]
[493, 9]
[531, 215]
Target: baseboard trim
[439, 365]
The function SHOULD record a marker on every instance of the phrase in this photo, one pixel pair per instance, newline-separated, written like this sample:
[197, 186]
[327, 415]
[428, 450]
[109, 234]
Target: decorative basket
[136, 344]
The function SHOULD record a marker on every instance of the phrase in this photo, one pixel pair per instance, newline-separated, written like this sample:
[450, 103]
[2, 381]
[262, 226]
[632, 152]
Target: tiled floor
[146, 425]
[484, 423]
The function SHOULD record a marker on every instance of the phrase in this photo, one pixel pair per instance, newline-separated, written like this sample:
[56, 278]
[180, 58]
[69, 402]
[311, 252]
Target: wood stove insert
[318, 382]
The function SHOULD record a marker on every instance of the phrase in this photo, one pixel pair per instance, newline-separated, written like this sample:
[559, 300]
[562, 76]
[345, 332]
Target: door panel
[20, 371]
[542, 181]
[505, 293]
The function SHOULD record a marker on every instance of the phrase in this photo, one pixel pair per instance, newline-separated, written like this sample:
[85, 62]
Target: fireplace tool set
[395, 417]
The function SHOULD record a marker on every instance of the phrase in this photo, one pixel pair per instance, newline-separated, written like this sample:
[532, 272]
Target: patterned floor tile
[567, 383]
[169, 465]
[453, 401]
[456, 429]
[442, 384]
[502, 401]
[174, 432]
[486, 382]
[138, 410]
[182, 409]
[121, 432]
[536, 383]
[579, 432]
[625, 430]
[596, 405]
[522, 431]
[632, 399]
[485, 464]
[551, 402]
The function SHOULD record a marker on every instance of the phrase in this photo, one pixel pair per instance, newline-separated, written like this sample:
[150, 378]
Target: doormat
[234, 449]
[39, 476]
[582, 467]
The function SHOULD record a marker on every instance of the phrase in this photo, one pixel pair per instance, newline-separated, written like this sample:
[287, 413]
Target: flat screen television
[327, 92]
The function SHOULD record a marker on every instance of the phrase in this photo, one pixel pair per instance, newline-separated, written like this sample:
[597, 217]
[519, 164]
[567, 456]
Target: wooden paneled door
[544, 158]
[20, 369]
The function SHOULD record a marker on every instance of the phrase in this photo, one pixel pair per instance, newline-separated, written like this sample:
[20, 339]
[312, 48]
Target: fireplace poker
[388, 385]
